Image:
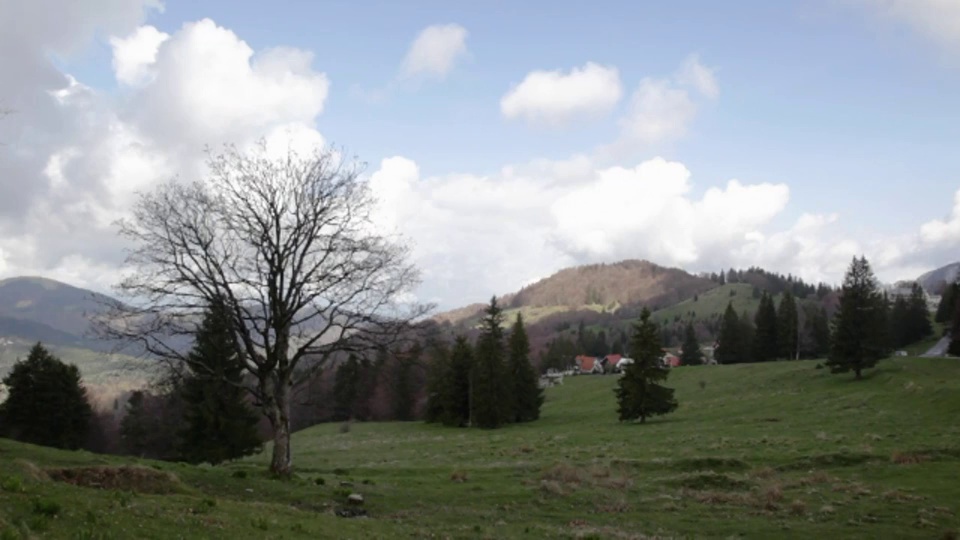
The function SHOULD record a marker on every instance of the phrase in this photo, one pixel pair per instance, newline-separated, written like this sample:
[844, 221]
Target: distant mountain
[56, 305]
[934, 280]
[598, 287]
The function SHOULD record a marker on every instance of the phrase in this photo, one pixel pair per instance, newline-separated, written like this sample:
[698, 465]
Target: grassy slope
[794, 452]
[714, 302]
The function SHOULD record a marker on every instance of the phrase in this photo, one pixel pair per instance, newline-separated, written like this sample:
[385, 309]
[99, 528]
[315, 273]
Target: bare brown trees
[288, 245]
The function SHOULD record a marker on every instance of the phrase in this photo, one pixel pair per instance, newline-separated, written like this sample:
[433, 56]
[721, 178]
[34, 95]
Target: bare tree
[289, 246]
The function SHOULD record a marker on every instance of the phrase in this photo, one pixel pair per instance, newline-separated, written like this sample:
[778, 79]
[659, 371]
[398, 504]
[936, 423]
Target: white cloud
[134, 55]
[659, 111]
[943, 232]
[695, 74]
[939, 20]
[79, 157]
[435, 51]
[555, 98]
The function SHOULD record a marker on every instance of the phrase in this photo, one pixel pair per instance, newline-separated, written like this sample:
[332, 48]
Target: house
[670, 360]
[622, 364]
[589, 364]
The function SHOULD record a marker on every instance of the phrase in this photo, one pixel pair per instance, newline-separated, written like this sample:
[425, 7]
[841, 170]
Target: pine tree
[948, 303]
[953, 349]
[401, 395]
[459, 389]
[135, 428]
[218, 423]
[491, 401]
[899, 323]
[346, 384]
[821, 333]
[765, 336]
[747, 336]
[918, 315]
[438, 372]
[690, 353]
[788, 331]
[638, 393]
[46, 402]
[859, 335]
[526, 391]
[730, 342]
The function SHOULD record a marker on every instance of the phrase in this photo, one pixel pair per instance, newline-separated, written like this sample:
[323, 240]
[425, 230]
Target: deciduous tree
[289, 244]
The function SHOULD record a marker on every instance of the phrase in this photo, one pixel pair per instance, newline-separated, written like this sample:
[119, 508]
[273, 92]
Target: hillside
[598, 287]
[778, 450]
[712, 303]
[934, 280]
[36, 309]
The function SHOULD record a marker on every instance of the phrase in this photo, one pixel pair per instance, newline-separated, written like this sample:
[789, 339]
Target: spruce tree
[730, 342]
[526, 391]
[948, 303]
[747, 336]
[491, 399]
[821, 333]
[458, 391]
[401, 395]
[46, 402]
[765, 336]
[690, 353]
[438, 380]
[918, 315]
[638, 393]
[788, 331]
[899, 323]
[859, 336]
[136, 427]
[218, 423]
[346, 385]
[953, 349]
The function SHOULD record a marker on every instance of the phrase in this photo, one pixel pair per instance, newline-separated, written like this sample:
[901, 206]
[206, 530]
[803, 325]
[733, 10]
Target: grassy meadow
[781, 450]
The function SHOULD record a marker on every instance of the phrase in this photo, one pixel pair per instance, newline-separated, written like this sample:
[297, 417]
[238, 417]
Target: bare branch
[288, 245]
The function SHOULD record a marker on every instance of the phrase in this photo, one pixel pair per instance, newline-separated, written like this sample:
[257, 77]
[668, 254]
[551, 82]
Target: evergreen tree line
[362, 389]
[772, 282]
[486, 384]
[775, 332]
[948, 313]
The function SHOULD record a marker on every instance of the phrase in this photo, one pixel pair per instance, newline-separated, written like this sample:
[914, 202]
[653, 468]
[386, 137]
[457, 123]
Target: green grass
[782, 450]
[713, 302]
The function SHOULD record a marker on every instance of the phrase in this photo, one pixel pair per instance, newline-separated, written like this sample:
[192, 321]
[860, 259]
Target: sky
[504, 140]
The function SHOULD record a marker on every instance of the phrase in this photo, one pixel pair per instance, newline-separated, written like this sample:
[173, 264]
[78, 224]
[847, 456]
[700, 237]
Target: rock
[355, 499]
[347, 512]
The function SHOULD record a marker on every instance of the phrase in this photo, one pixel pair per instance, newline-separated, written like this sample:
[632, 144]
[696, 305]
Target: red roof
[586, 362]
[612, 359]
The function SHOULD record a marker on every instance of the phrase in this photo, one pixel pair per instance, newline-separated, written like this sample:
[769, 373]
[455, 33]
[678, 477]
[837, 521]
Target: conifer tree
[953, 349]
[899, 323]
[639, 394]
[948, 303]
[438, 380]
[346, 385]
[765, 336]
[401, 395]
[788, 331]
[135, 428]
[859, 336]
[459, 384]
[46, 402]
[730, 343]
[491, 400]
[218, 423]
[747, 335]
[918, 315]
[821, 333]
[690, 353]
[527, 394]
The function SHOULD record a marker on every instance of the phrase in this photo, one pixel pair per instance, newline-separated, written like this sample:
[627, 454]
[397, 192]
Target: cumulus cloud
[555, 98]
[435, 51]
[134, 55]
[938, 20]
[77, 157]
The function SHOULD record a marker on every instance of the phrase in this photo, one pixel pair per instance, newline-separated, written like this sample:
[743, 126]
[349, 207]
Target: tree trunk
[857, 373]
[279, 415]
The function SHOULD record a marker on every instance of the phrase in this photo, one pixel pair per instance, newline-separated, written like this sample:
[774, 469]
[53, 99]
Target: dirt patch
[710, 464]
[713, 481]
[836, 459]
[136, 479]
